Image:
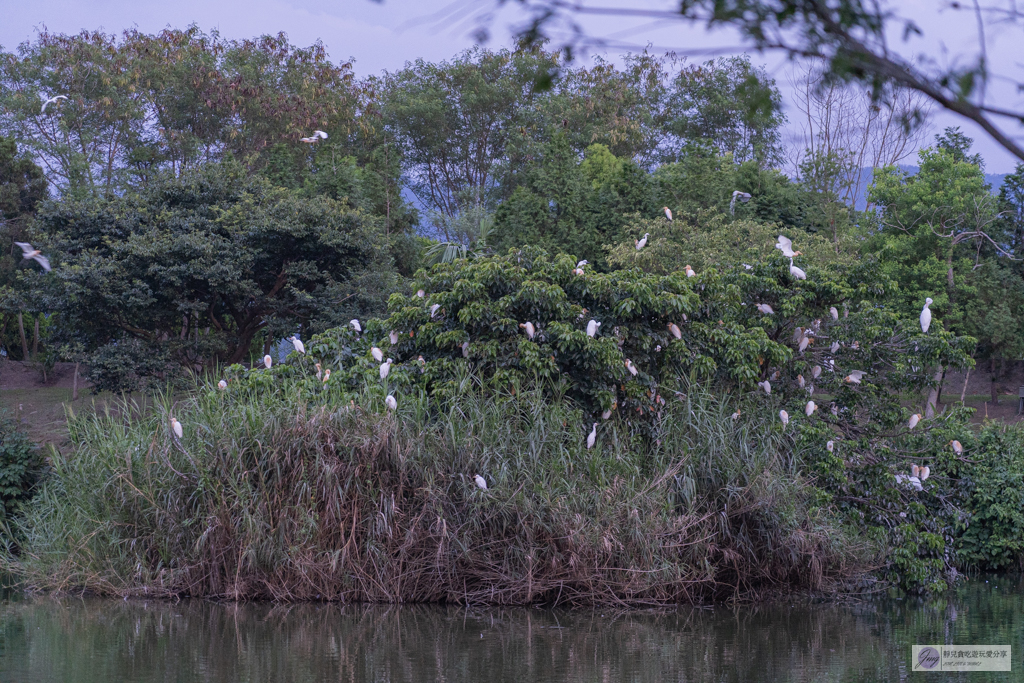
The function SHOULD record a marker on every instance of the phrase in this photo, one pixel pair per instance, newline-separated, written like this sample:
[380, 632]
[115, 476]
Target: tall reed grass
[269, 496]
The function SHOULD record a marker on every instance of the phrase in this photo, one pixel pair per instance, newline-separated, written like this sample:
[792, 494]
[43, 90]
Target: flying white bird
[668, 212]
[52, 100]
[393, 337]
[689, 271]
[592, 437]
[914, 419]
[377, 354]
[798, 273]
[315, 137]
[674, 329]
[816, 372]
[766, 309]
[767, 386]
[433, 309]
[830, 446]
[632, 368]
[297, 343]
[222, 385]
[480, 481]
[785, 245]
[784, 416]
[390, 402]
[810, 408]
[742, 196]
[355, 325]
[855, 376]
[957, 447]
[834, 313]
[268, 361]
[385, 368]
[926, 316]
[641, 243]
[592, 328]
[530, 329]
[176, 426]
[27, 252]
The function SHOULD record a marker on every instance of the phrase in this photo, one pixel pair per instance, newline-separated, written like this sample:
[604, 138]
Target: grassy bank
[269, 495]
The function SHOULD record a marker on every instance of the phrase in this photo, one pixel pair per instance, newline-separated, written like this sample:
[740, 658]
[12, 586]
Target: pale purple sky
[385, 36]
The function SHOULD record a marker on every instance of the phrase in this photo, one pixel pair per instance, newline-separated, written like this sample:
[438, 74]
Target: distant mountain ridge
[995, 181]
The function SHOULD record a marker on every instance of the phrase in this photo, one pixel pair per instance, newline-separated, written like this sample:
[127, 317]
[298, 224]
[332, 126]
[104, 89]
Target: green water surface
[101, 640]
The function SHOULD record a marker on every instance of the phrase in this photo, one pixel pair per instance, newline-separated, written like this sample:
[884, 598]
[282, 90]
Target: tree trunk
[74, 385]
[24, 342]
[938, 400]
[35, 344]
[933, 394]
[994, 392]
[963, 394]
[266, 344]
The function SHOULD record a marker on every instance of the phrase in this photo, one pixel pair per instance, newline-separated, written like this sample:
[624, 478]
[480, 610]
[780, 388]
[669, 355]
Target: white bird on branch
[784, 416]
[742, 196]
[766, 309]
[767, 386]
[465, 349]
[393, 337]
[27, 252]
[52, 100]
[641, 243]
[377, 354]
[530, 329]
[689, 271]
[668, 212]
[632, 368]
[327, 376]
[816, 372]
[800, 381]
[798, 273]
[297, 343]
[592, 328]
[914, 419]
[176, 427]
[830, 446]
[926, 316]
[420, 293]
[854, 377]
[810, 408]
[433, 309]
[385, 368]
[592, 437]
[957, 447]
[834, 313]
[674, 329]
[355, 325]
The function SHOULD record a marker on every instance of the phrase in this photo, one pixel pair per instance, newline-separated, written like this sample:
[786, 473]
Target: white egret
[480, 482]
[390, 402]
[578, 271]
[176, 426]
[736, 415]
[784, 416]
[742, 196]
[801, 381]
[810, 408]
[689, 271]
[420, 293]
[668, 212]
[393, 337]
[767, 386]
[530, 329]
[834, 347]
[297, 343]
[355, 325]
[747, 266]
[957, 447]
[606, 414]
[592, 437]
[641, 243]
[831, 446]
[320, 134]
[804, 343]
[319, 373]
[268, 361]
[926, 316]
[377, 354]
[914, 419]
[835, 410]
[810, 390]
[854, 377]
[766, 309]
[833, 312]
[584, 262]
[433, 309]
[52, 100]
[674, 329]
[465, 349]
[816, 372]
[785, 245]
[222, 385]
[317, 136]
[632, 368]
[592, 328]
[385, 368]
[28, 252]
[924, 473]
[798, 273]
[327, 376]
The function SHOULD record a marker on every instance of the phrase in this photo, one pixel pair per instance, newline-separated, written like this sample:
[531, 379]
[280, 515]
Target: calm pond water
[46, 639]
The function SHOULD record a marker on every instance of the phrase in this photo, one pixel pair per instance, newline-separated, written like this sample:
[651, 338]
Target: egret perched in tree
[834, 313]
[27, 252]
[606, 414]
[784, 416]
[831, 446]
[297, 343]
[319, 374]
[855, 376]
[433, 309]
[834, 347]
[176, 428]
[926, 316]
[747, 266]
[592, 437]
[465, 349]
[767, 386]
[785, 245]
[641, 243]
[584, 262]
[578, 271]
[385, 368]
[420, 293]
[355, 325]
[390, 402]
[766, 309]
[480, 481]
[327, 376]
[810, 408]
[957, 447]
[377, 354]
[689, 271]
[923, 473]
[736, 415]
[592, 327]
[530, 329]
[800, 381]
[222, 385]
[816, 372]
[796, 272]
[742, 196]
[393, 337]
[52, 100]
[914, 419]
[668, 212]
[268, 361]
[632, 368]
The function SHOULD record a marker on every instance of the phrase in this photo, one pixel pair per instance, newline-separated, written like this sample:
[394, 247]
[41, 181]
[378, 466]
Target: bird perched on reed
[592, 437]
[176, 428]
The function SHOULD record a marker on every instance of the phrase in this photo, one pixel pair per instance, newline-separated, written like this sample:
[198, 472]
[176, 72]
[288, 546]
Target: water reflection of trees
[103, 640]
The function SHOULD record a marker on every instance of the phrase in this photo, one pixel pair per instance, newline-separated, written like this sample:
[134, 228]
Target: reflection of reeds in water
[267, 496]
